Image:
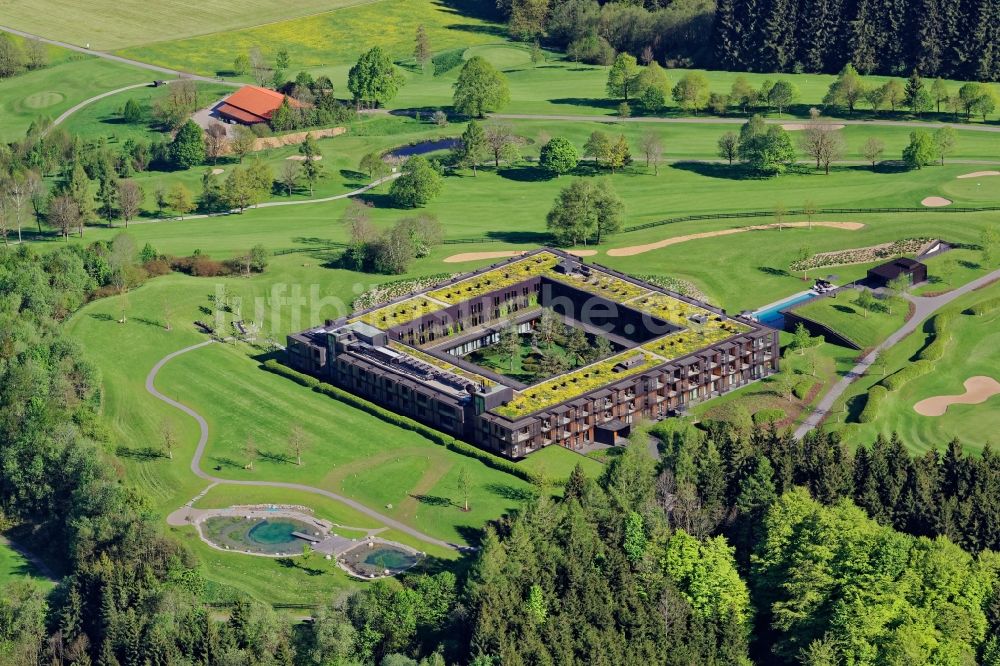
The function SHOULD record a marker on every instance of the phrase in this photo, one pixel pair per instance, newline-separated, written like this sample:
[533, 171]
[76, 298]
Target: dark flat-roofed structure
[883, 274]
[411, 355]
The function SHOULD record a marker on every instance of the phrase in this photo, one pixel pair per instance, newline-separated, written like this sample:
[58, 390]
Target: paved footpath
[203, 442]
[925, 306]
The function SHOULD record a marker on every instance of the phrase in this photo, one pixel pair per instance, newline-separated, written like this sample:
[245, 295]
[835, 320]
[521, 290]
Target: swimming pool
[771, 316]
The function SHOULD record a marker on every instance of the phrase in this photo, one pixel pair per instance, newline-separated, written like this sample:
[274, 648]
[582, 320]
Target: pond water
[270, 536]
[422, 148]
[377, 559]
[273, 532]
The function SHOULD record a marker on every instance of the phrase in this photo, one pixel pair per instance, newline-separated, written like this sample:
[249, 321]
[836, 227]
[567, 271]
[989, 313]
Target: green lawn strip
[972, 351]
[15, 566]
[950, 270]
[556, 463]
[845, 316]
[68, 80]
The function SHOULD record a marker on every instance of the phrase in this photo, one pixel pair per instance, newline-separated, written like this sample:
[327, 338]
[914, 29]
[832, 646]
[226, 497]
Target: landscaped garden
[863, 319]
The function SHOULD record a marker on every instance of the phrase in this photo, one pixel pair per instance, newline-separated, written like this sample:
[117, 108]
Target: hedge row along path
[214, 480]
[925, 306]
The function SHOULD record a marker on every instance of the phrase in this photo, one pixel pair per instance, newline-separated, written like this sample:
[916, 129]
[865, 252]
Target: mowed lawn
[331, 38]
[70, 79]
[107, 25]
[974, 350]
[842, 313]
[14, 566]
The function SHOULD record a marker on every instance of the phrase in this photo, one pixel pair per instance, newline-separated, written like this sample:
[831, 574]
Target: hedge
[876, 395]
[898, 379]
[984, 307]
[942, 336]
[405, 422]
[802, 389]
[732, 413]
[765, 416]
[308, 381]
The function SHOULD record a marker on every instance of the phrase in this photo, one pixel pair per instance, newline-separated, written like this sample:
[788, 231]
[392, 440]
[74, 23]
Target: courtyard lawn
[15, 566]
[842, 313]
[973, 350]
[68, 80]
[107, 25]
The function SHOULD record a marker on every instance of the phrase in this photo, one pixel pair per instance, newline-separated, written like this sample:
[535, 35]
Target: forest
[742, 545]
[939, 38]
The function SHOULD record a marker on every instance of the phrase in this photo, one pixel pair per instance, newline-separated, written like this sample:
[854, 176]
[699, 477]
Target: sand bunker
[216, 172]
[797, 127]
[302, 158]
[936, 202]
[479, 256]
[639, 249]
[978, 389]
[979, 174]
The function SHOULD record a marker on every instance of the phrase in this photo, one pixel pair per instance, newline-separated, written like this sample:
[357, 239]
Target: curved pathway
[203, 442]
[87, 102]
[925, 306]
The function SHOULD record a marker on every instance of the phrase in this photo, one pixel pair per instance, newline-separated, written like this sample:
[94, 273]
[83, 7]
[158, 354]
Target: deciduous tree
[691, 92]
[623, 77]
[558, 156]
[419, 183]
[729, 146]
[872, 149]
[374, 80]
[480, 88]
[130, 199]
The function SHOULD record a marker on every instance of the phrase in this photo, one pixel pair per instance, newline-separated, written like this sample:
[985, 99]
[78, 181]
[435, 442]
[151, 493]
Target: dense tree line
[948, 39]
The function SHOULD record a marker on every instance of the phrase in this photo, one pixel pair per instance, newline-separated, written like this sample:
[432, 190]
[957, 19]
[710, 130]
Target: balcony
[522, 436]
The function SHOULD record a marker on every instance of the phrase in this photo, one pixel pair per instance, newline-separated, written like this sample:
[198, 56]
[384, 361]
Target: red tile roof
[251, 104]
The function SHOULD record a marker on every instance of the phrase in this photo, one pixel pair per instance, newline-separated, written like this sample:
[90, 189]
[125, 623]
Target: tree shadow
[102, 317]
[293, 563]
[774, 272]
[139, 453]
[492, 30]
[971, 265]
[433, 500]
[846, 309]
[509, 492]
[607, 104]
[225, 461]
[722, 171]
[525, 174]
[276, 457]
[354, 176]
[521, 237]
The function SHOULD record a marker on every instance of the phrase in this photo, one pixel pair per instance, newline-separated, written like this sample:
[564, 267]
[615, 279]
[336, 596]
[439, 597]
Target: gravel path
[203, 442]
[925, 306]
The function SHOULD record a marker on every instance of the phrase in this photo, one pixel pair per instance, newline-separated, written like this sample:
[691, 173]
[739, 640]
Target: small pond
[422, 148]
[269, 536]
[378, 559]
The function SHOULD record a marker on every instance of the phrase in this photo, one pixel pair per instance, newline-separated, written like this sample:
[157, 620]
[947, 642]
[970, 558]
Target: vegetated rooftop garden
[540, 263]
[582, 380]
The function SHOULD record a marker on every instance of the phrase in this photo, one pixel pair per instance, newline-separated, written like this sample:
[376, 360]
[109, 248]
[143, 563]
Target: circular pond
[378, 559]
[268, 536]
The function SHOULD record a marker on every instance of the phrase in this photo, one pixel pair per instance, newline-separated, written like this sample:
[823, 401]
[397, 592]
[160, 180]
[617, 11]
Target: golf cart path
[924, 307]
[203, 442]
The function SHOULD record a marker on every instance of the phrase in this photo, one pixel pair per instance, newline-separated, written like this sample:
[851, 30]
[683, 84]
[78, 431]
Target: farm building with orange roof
[251, 105]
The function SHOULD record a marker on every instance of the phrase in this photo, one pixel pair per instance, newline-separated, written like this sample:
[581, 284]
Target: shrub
[942, 336]
[157, 267]
[272, 365]
[898, 379]
[447, 60]
[802, 389]
[765, 416]
[731, 413]
[984, 307]
[876, 395]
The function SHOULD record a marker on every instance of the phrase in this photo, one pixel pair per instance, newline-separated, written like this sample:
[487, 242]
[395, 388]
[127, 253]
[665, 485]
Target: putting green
[986, 188]
[42, 100]
[501, 57]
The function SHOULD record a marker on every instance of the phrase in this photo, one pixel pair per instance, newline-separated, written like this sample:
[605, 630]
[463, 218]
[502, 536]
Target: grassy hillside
[107, 25]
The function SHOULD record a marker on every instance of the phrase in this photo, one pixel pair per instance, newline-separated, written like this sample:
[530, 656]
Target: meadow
[972, 351]
[106, 25]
